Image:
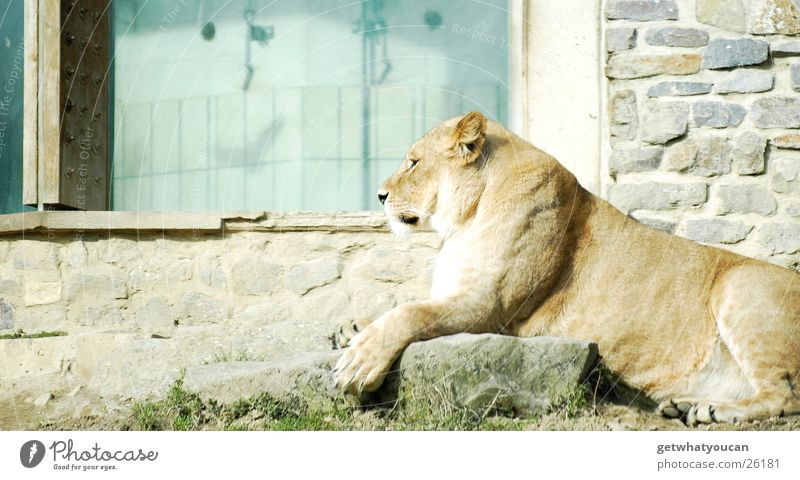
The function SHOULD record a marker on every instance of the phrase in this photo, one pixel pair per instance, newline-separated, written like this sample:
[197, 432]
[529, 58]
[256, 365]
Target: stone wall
[703, 119]
[132, 310]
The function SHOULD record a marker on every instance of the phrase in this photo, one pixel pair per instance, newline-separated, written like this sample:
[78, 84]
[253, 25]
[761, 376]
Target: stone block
[746, 199]
[748, 154]
[678, 89]
[706, 156]
[726, 14]
[786, 176]
[717, 114]
[746, 81]
[252, 275]
[776, 112]
[663, 121]
[628, 66]
[311, 274]
[714, 230]
[635, 159]
[732, 53]
[624, 115]
[657, 196]
[197, 308]
[620, 38]
[790, 141]
[653, 222]
[42, 293]
[642, 10]
[780, 237]
[767, 17]
[676, 37]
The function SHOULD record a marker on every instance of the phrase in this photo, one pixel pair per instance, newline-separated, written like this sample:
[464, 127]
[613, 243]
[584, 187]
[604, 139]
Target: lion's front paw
[364, 364]
[345, 333]
[691, 411]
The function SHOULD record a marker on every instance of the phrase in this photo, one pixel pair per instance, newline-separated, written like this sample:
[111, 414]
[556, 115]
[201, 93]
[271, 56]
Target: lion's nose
[383, 195]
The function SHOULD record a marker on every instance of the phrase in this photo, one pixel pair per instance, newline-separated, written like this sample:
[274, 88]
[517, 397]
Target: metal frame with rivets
[66, 156]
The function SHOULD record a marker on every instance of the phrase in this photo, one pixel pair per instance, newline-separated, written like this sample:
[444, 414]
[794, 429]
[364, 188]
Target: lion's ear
[469, 135]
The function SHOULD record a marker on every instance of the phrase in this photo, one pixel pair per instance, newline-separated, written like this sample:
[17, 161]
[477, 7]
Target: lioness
[713, 336]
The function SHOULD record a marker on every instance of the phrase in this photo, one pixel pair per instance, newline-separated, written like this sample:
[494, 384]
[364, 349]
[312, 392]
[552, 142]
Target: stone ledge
[199, 222]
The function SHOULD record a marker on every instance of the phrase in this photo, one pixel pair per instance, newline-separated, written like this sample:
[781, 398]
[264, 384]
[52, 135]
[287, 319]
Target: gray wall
[704, 112]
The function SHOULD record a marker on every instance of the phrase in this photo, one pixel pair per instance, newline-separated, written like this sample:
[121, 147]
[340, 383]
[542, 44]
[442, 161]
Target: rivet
[82, 12]
[83, 109]
[84, 42]
[82, 77]
[69, 38]
[97, 47]
[69, 138]
[96, 115]
[96, 148]
[69, 172]
[97, 180]
[69, 105]
[69, 71]
[97, 79]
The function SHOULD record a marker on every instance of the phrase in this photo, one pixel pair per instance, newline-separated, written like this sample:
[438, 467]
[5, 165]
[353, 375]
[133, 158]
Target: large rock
[657, 196]
[624, 115]
[717, 114]
[522, 376]
[642, 10]
[678, 89]
[676, 37]
[626, 66]
[748, 154]
[776, 112]
[663, 121]
[746, 81]
[739, 52]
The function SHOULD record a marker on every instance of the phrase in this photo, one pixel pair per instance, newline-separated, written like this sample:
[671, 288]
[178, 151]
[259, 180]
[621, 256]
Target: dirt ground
[601, 417]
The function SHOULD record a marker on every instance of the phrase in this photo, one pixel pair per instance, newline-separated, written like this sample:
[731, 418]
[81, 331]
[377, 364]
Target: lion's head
[422, 185]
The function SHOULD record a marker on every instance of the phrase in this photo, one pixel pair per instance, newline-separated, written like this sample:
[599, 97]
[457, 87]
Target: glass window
[12, 58]
[293, 104]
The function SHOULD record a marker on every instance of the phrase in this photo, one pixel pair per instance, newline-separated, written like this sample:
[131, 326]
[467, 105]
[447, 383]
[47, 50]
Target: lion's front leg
[372, 351]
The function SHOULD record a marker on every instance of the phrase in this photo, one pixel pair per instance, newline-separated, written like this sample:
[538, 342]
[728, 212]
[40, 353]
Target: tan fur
[527, 251]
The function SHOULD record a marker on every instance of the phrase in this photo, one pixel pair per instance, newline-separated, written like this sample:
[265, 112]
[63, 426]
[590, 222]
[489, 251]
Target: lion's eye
[412, 163]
